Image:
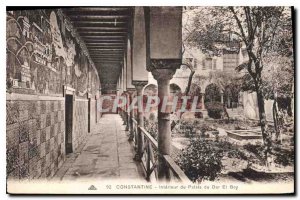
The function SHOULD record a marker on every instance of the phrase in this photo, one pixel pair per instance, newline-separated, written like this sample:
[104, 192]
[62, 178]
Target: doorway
[89, 115]
[69, 123]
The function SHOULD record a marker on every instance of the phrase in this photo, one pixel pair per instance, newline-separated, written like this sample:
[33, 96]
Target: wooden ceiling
[104, 31]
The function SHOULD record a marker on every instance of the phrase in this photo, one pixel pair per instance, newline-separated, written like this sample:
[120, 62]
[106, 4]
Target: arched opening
[231, 96]
[212, 93]
[175, 89]
[150, 90]
[195, 91]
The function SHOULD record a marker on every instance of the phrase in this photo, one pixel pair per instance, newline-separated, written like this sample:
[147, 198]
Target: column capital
[164, 64]
[163, 74]
[163, 69]
[139, 84]
[130, 91]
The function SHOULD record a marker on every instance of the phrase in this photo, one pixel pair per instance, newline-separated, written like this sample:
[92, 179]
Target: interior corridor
[106, 154]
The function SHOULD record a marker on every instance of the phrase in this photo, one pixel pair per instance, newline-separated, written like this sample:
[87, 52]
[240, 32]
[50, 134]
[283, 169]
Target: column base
[138, 157]
[130, 139]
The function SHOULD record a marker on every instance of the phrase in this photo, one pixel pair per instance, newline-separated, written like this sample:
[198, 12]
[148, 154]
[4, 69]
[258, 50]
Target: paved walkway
[106, 154]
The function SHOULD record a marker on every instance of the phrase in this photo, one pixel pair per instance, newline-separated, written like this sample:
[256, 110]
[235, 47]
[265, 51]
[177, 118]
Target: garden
[214, 143]
[205, 151]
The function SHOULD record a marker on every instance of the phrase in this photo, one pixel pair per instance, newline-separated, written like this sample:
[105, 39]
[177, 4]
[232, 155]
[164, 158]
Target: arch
[175, 89]
[212, 93]
[231, 96]
[195, 90]
[150, 90]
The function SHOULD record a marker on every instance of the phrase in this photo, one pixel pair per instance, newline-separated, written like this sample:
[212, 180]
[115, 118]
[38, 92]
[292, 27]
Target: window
[208, 63]
[230, 61]
[195, 63]
[203, 64]
[214, 64]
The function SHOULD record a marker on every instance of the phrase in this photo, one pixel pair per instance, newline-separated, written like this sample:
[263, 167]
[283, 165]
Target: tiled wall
[34, 138]
[93, 115]
[43, 59]
[80, 122]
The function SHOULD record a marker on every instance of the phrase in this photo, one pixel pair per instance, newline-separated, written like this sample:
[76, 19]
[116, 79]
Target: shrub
[284, 157]
[187, 128]
[257, 150]
[201, 160]
[214, 109]
[198, 115]
[152, 127]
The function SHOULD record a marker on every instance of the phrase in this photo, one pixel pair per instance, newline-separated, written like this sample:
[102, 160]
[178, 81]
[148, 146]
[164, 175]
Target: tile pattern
[80, 123]
[34, 138]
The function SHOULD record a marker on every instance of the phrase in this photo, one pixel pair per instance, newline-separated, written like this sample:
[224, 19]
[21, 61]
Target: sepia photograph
[150, 100]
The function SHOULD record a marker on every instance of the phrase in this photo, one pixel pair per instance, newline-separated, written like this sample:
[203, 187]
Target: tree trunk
[275, 118]
[263, 124]
[225, 112]
[225, 109]
[188, 87]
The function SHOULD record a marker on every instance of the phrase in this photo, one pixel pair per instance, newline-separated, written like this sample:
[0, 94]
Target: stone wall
[251, 107]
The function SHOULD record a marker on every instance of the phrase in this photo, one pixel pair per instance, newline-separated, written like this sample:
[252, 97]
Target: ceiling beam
[108, 61]
[116, 49]
[106, 48]
[101, 47]
[111, 58]
[108, 57]
[106, 54]
[104, 60]
[88, 33]
[97, 17]
[102, 42]
[103, 36]
[111, 22]
[100, 59]
[101, 28]
[102, 32]
[110, 41]
[76, 9]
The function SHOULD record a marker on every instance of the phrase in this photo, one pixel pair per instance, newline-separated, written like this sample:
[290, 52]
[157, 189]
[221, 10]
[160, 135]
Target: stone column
[228, 102]
[124, 111]
[130, 114]
[163, 75]
[139, 85]
[202, 101]
[222, 97]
